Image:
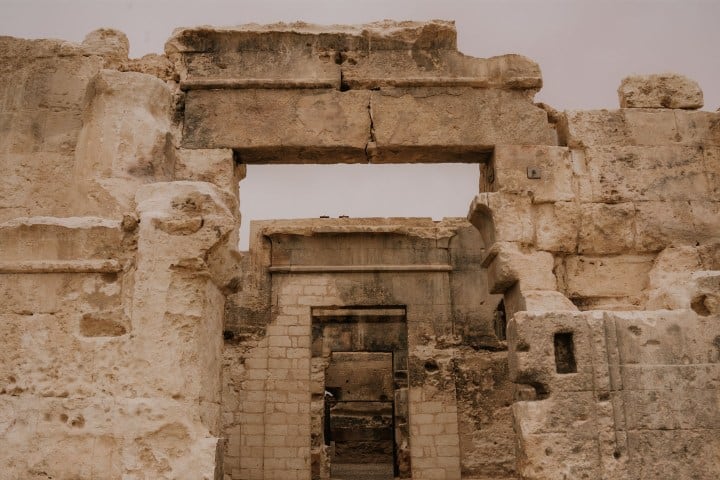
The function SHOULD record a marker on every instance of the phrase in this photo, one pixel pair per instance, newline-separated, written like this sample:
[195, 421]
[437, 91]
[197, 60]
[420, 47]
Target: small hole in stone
[431, 366]
[564, 353]
[699, 306]
[617, 454]
[500, 321]
[63, 417]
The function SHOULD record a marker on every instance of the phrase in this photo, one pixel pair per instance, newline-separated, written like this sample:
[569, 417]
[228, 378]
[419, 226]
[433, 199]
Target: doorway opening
[359, 421]
[359, 427]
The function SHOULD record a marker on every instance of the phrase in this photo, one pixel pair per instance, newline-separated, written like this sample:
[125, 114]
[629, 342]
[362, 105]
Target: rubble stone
[660, 91]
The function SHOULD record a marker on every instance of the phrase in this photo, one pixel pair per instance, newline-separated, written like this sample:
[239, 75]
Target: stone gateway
[568, 328]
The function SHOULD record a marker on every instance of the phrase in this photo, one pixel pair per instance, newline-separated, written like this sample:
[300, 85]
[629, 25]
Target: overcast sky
[584, 48]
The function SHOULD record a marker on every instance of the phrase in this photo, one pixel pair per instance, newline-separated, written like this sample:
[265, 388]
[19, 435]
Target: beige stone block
[110, 44]
[519, 300]
[126, 139]
[430, 125]
[502, 217]
[698, 127]
[288, 126]
[534, 270]
[557, 226]
[630, 127]
[511, 166]
[216, 166]
[670, 284]
[617, 276]
[647, 173]
[665, 337]
[662, 224]
[661, 454]
[606, 228]
[667, 90]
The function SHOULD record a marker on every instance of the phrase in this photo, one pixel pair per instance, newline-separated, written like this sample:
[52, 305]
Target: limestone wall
[138, 343]
[111, 316]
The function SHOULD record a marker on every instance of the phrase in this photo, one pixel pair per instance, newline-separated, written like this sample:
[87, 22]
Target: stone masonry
[568, 328]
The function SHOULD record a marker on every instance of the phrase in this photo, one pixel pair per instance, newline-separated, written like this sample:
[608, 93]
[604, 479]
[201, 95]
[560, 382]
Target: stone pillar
[178, 315]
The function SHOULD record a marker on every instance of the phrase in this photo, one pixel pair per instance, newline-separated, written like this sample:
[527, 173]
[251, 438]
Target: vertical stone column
[178, 315]
[434, 438]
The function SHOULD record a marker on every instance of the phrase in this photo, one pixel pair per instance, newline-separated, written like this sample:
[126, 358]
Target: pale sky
[584, 48]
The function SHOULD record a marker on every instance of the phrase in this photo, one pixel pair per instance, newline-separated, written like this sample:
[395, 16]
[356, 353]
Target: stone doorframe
[328, 327]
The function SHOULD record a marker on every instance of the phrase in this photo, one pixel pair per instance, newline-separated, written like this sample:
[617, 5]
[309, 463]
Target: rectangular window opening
[565, 353]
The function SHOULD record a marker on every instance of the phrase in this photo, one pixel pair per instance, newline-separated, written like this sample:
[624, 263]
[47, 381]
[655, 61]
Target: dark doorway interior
[360, 421]
[359, 417]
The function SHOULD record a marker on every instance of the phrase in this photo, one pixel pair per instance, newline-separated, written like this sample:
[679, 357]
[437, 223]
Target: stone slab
[285, 126]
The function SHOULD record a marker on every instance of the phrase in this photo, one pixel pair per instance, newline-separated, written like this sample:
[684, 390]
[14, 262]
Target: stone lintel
[377, 55]
[61, 266]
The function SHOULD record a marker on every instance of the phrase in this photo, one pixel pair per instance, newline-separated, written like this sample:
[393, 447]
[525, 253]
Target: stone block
[431, 125]
[532, 356]
[594, 276]
[125, 141]
[374, 69]
[627, 173]
[557, 226]
[578, 129]
[670, 284]
[662, 224]
[674, 454]
[285, 126]
[679, 337]
[511, 165]
[214, 166]
[534, 270]
[502, 217]
[110, 44]
[667, 90]
[606, 228]
[698, 128]
[520, 300]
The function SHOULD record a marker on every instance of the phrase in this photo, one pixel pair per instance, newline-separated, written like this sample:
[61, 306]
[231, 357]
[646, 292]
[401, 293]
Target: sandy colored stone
[112, 45]
[557, 226]
[510, 171]
[569, 331]
[667, 90]
[287, 125]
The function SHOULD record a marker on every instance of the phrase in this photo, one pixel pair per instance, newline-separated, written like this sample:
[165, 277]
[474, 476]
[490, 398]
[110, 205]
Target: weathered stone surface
[376, 55]
[557, 226]
[511, 167]
[43, 84]
[286, 126]
[125, 141]
[606, 228]
[110, 44]
[432, 125]
[620, 174]
[509, 265]
[502, 218]
[668, 90]
[597, 276]
[138, 343]
[639, 127]
[644, 380]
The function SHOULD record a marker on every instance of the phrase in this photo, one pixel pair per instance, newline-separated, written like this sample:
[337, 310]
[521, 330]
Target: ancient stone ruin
[569, 328]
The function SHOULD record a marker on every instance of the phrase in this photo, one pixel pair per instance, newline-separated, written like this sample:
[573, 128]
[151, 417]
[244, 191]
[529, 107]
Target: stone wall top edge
[386, 33]
[412, 226]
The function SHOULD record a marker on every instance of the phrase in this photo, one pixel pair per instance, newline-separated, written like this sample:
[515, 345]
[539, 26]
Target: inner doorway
[359, 420]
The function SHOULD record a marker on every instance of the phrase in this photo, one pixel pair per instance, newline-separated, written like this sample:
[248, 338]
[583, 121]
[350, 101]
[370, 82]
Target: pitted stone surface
[660, 91]
[569, 331]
